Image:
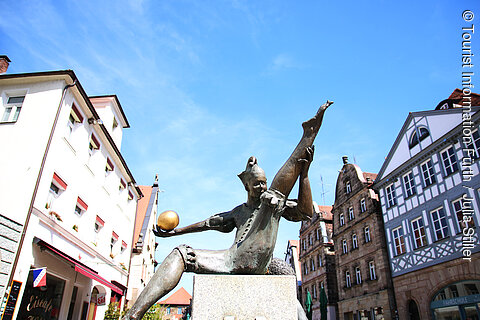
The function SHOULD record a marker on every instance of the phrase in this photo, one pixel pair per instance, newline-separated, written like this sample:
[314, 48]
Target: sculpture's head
[253, 178]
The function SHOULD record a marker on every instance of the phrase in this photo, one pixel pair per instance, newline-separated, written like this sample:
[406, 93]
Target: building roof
[457, 100]
[326, 212]
[370, 175]
[142, 206]
[71, 80]
[179, 297]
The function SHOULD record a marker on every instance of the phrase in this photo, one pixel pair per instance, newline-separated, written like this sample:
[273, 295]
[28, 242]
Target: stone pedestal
[244, 297]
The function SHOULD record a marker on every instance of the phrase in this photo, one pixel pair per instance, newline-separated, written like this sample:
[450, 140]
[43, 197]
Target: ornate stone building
[317, 260]
[429, 187]
[363, 273]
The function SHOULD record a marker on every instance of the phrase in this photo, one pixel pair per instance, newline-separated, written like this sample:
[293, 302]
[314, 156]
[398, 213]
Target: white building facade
[142, 262]
[429, 188]
[67, 198]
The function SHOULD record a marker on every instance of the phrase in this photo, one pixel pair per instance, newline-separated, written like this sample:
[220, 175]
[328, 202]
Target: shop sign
[100, 299]
[12, 300]
[455, 301]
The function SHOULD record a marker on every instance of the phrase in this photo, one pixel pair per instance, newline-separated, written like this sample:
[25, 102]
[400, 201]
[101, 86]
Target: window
[472, 149]
[348, 282]
[312, 265]
[464, 221]
[81, 206]
[304, 244]
[314, 289]
[130, 195]
[93, 145]
[418, 135]
[99, 223]
[449, 161]
[124, 246]
[391, 199]
[342, 219]
[113, 239]
[310, 240]
[122, 184]
[109, 166]
[12, 108]
[319, 260]
[399, 241]
[371, 269]
[409, 184]
[322, 285]
[348, 187]
[317, 234]
[367, 234]
[428, 173]
[354, 241]
[74, 118]
[344, 246]
[363, 205]
[419, 233]
[115, 123]
[358, 275]
[351, 215]
[57, 186]
[439, 223]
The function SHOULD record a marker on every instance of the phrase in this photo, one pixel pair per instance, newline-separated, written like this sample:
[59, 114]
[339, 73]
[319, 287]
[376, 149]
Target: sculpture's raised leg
[287, 175]
[163, 281]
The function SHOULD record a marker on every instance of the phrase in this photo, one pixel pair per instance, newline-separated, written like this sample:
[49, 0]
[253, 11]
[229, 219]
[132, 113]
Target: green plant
[113, 312]
[156, 312]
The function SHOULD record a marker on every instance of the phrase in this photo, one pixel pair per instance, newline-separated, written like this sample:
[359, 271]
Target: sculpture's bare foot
[314, 123]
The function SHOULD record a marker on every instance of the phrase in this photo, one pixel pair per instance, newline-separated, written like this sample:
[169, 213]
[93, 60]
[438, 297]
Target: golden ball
[167, 220]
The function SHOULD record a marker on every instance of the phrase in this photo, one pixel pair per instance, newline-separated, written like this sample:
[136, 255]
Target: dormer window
[418, 135]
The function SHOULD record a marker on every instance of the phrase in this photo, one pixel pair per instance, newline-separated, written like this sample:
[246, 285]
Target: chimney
[345, 159]
[4, 62]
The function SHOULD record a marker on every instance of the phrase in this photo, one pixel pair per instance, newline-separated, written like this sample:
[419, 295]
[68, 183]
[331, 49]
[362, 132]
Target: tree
[113, 312]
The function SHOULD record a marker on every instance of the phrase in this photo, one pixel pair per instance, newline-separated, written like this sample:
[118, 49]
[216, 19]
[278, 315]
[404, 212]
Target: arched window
[456, 300]
[418, 135]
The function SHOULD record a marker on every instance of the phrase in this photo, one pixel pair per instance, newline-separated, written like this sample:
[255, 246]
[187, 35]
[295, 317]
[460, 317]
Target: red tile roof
[458, 94]
[326, 212]
[179, 297]
[370, 175]
[142, 206]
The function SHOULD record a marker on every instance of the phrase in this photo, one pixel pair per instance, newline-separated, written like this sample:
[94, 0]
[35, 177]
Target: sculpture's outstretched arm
[223, 222]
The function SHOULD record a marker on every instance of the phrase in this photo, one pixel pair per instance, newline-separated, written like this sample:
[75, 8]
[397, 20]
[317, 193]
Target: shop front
[71, 290]
[457, 301]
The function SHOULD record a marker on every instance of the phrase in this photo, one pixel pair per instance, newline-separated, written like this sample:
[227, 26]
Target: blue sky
[206, 84]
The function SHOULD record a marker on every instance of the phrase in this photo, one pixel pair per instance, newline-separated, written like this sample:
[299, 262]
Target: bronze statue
[256, 221]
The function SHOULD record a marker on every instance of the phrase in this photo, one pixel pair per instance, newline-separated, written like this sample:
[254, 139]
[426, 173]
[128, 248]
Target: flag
[323, 304]
[309, 305]
[39, 277]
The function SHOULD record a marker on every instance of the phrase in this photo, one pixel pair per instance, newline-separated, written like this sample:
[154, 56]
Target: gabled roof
[117, 106]
[452, 118]
[180, 297]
